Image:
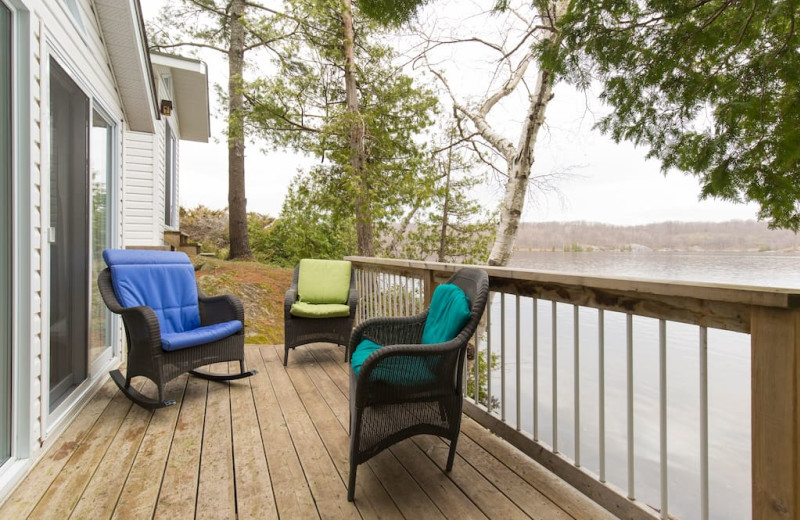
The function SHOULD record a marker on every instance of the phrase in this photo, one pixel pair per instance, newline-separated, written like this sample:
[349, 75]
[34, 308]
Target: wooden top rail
[708, 304]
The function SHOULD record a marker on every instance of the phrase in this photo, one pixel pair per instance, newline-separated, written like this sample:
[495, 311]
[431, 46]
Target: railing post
[775, 368]
[429, 286]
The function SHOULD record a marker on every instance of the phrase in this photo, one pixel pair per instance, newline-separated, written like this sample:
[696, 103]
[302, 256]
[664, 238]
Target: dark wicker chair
[405, 388]
[151, 296]
[303, 330]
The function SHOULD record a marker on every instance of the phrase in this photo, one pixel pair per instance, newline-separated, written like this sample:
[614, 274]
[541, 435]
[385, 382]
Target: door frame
[24, 340]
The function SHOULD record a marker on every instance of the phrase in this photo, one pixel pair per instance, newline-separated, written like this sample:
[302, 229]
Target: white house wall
[48, 30]
[144, 186]
[139, 190]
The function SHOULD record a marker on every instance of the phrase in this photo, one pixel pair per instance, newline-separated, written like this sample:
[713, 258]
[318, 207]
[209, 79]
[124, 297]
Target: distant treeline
[736, 235]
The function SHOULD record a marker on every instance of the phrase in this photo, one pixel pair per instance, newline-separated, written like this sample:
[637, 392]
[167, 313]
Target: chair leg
[351, 485]
[355, 432]
[285, 355]
[452, 455]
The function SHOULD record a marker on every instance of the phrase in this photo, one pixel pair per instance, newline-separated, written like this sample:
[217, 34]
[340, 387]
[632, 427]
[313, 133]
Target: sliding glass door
[5, 233]
[68, 234]
[82, 149]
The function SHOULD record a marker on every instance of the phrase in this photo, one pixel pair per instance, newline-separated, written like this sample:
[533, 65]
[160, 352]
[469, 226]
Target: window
[170, 171]
[5, 230]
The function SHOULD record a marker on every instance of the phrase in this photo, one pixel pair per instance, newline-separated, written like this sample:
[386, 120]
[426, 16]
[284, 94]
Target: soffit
[123, 32]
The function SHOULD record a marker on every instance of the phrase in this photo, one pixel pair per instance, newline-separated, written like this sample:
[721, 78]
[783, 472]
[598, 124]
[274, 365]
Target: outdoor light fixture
[166, 107]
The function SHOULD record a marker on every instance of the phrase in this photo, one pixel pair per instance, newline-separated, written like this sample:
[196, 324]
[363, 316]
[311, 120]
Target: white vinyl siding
[139, 204]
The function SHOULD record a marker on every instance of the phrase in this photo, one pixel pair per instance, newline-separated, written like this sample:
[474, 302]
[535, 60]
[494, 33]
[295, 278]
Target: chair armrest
[289, 299]
[219, 309]
[390, 331]
[352, 301]
[141, 325]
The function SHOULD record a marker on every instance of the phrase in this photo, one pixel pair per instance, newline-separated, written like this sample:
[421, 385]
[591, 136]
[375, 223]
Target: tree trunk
[237, 202]
[364, 232]
[446, 207]
[519, 171]
[519, 167]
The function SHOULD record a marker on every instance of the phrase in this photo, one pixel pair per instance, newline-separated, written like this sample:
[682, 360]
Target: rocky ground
[260, 287]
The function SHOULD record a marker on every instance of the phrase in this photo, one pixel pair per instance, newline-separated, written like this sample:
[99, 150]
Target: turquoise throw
[362, 352]
[448, 313]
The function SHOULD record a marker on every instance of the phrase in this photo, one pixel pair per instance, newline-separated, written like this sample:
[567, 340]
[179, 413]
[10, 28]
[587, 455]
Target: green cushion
[323, 281]
[448, 314]
[319, 310]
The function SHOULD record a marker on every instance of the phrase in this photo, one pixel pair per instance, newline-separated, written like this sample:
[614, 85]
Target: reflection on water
[728, 378]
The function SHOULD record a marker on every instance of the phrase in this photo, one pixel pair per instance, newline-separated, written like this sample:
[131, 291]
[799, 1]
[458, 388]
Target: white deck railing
[543, 328]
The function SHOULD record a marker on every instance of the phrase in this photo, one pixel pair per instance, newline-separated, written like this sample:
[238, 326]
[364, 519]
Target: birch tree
[518, 61]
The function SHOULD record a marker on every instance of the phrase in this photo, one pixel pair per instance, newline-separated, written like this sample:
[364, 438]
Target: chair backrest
[475, 284]
[161, 280]
[323, 281]
[448, 313]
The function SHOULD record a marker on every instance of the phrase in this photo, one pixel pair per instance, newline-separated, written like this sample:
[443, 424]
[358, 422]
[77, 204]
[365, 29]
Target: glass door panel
[68, 234]
[101, 153]
[5, 233]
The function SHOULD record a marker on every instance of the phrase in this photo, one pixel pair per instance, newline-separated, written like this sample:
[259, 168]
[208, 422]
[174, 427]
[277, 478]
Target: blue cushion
[161, 280]
[448, 314]
[200, 335]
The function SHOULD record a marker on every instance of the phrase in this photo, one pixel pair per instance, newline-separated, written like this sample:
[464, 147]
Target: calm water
[728, 380]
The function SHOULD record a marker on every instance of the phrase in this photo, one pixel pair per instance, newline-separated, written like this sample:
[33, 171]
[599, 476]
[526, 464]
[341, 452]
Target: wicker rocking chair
[170, 326]
[407, 373]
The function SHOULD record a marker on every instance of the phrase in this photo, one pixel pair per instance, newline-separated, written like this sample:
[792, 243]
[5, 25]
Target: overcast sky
[606, 182]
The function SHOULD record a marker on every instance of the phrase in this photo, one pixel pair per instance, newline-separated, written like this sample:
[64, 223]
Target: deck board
[274, 445]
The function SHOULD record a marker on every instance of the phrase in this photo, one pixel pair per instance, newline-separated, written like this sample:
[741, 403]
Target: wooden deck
[274, 446]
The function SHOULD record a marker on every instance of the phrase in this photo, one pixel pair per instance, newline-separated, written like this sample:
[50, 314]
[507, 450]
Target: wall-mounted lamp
[166, 107]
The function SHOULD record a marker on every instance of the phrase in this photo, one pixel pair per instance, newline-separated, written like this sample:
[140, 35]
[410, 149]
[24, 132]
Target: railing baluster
[377, 295]
[629, 366]
[382, 294]
[535, 369]
[601, 390]
[503, 357]
[577, 382]
[476, 368]
[703, 423]
[392, 292]
[555, 377]
[519, 368]
[406, 295]
[414, 296]
[396, 295]
[662, 390]
[489, 353]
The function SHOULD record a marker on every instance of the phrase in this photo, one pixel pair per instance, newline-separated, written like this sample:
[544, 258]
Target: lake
[728, 377]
